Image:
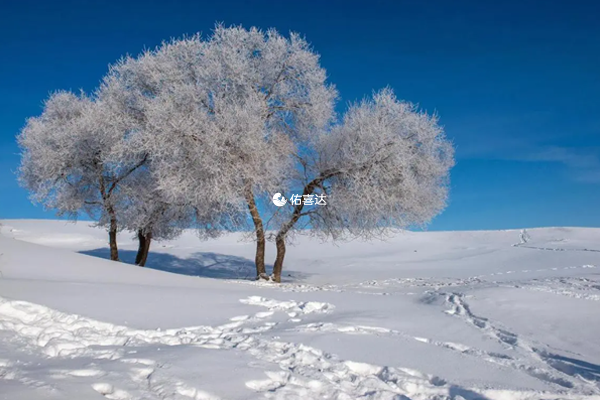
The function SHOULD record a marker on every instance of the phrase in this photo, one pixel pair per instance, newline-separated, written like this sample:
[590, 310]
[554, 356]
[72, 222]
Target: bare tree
[385, 166]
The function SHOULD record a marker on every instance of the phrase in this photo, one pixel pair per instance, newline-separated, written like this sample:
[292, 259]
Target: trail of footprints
[579, 288]
[375, 286]
[533, 359]
[303, 370]
[530, 358]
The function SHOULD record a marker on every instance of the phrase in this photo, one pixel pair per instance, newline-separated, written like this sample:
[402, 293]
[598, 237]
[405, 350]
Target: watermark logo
[279, 200]
[296, 200]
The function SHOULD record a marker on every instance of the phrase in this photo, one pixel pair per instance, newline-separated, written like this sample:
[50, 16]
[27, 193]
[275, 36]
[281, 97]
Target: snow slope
[435, 315]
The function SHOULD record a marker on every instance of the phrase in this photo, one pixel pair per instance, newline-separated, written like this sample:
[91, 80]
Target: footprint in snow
[110, 392]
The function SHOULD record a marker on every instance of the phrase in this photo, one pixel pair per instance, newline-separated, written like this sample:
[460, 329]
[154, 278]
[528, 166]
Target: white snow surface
[423, 315]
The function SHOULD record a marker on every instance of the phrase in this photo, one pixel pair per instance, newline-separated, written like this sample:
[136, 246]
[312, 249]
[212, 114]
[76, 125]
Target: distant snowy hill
[428, 315]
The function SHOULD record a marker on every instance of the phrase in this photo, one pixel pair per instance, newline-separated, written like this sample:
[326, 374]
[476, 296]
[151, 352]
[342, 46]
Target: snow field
[524, 329]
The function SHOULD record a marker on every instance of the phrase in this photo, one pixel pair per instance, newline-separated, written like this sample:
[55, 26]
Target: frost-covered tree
[146, 212]
[203, 131]
[142, 206]
[384, 166]
[224, 118]
[71, 159]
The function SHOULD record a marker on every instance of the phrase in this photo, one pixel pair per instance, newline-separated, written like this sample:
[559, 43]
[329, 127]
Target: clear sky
[516, 84]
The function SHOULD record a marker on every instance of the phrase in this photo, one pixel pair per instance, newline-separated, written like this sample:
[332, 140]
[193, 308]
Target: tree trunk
[278, 266]
[144, 248]
[259, 259]
[141, 246]
[286, 227]
[112, 238]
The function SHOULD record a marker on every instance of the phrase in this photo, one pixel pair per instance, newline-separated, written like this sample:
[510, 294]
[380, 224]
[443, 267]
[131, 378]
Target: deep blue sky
[516, 84]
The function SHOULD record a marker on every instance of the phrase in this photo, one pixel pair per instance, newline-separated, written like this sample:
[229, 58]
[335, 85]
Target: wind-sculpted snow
[67, 335]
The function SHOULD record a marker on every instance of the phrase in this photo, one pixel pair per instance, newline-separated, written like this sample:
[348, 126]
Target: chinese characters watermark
[296, 200]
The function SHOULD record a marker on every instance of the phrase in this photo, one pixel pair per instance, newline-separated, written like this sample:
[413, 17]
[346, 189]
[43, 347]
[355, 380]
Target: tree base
[269, 278]
[263, 276]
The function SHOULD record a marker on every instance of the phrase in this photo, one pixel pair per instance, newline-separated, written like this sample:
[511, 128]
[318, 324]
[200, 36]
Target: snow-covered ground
[435, 315]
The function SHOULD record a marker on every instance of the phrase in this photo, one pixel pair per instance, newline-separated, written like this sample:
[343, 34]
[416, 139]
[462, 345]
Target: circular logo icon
[279, 200]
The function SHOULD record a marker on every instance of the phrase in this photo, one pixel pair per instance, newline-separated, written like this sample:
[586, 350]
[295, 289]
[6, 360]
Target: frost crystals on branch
[223, 117]
[70, 159]
[204, 131]
[385, 166]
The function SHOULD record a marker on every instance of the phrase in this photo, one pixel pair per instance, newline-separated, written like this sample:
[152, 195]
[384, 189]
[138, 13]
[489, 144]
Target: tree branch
[129, 172]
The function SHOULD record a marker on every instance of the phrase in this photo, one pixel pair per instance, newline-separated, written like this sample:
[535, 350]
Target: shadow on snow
[205, 264]
[572, 366]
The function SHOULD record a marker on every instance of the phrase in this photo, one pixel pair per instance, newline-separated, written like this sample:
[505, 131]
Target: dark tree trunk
[144, 247]
[112, 215]
[112, 238]
[141, 246]
[259, 259]
[309, 188]
[278, 266]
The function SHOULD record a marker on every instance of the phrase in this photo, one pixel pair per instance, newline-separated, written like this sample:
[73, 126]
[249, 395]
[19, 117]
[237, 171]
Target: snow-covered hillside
[436, 315]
